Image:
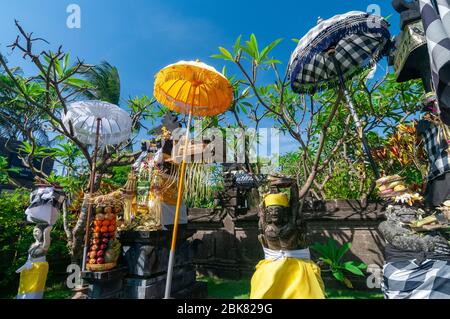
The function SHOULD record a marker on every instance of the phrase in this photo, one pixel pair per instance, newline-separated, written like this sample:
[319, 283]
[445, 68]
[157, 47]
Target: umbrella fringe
[311, 89]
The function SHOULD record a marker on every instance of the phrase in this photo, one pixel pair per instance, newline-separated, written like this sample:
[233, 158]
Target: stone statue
[41, 234]
[45, 203]
[396, 232]
[287, 271]
[409, 11]
[280, 228]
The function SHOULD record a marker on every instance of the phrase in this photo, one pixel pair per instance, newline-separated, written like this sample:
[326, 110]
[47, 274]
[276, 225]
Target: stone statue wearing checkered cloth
[417, 266]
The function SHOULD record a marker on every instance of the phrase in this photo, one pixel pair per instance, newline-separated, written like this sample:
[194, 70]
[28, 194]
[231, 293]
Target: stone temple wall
[230, 248]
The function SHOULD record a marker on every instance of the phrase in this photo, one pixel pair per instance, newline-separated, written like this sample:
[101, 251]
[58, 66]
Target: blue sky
[142, 36]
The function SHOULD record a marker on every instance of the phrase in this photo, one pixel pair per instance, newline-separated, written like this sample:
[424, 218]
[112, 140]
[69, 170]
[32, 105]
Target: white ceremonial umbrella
[100, 124]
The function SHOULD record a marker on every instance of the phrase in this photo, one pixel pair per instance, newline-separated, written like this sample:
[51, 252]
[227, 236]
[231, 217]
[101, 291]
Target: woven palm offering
[391, 186]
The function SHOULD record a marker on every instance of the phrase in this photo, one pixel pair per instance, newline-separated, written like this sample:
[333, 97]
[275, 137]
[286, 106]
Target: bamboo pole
[177, 211]
[91, 191]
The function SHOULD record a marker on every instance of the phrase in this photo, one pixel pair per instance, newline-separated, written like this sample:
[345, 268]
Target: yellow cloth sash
[32, 281]
[287, 278]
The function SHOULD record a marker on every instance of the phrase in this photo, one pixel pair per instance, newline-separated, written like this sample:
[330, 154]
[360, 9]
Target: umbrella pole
[91, 191]
[177, 211]
[355, 116]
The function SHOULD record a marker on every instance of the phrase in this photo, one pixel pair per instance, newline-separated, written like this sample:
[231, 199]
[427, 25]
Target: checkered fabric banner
[436, 22]
[412, 280]
[436, 148]
[360, 41]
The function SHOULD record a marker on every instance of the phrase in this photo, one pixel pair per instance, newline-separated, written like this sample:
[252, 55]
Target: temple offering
[104, 248]
[391, 186]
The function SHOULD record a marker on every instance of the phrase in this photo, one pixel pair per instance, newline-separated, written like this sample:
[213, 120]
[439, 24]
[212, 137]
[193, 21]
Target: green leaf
[226, 53]
[224, 70]
[338, 275]
[327, 261]
[245, 92]
[66, 62]
[321, 249]
[332, 248]
[80, 83]
[269, 48]
[237, 45]
[219, 56]
[272, 61]
[58, 68]
[243, 108]
[348, 283]
[362, 266]
[352, 268]
[252, 46]
[343, 250]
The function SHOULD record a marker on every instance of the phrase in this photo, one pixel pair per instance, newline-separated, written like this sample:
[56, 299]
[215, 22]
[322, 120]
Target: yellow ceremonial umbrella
[193, 88]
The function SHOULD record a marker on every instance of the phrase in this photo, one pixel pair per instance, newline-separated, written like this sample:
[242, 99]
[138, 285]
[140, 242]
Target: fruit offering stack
[391, 186]
[104, 248]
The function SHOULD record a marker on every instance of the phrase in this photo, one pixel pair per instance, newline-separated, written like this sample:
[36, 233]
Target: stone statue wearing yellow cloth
[287, 271]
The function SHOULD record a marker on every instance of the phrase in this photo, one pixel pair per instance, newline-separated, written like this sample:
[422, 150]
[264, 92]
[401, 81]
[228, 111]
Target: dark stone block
[105, 284]
[153, 288]
[198, 291]
[146, 259]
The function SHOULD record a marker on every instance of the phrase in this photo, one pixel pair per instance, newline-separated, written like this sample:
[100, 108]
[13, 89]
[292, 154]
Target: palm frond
[106, 82]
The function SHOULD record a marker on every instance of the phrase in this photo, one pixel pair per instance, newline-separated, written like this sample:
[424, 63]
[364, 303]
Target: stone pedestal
[184, 286]
[105, 284]
[146, 256]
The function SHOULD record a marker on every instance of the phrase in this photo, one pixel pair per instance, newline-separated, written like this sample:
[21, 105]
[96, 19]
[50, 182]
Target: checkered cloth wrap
[436, 148]
[411, 280]
[47, 195]
[360, 39]
[436, 22]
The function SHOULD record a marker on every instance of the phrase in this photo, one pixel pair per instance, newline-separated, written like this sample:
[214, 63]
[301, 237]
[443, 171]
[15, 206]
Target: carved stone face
[37, 234]
[277, 215]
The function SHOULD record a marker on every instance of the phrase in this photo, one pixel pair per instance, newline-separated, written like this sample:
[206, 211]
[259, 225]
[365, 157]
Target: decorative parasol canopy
[358, 40]
[115, 123]
[194, 85]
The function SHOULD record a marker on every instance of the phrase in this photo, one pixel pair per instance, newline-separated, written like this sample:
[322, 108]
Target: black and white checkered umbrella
[337, 50]
[357, 40]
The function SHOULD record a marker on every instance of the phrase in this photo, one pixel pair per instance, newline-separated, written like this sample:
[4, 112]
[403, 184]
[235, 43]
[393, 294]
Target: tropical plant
[383, 105]
[331, 255]
[40, 101]
[307, 119]
[403, 153]
[105, 83]
[5, 170]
